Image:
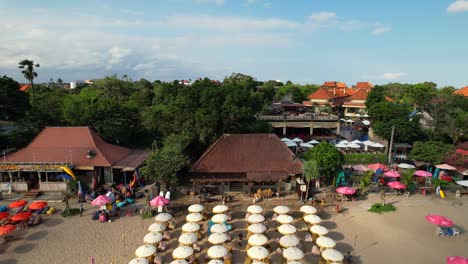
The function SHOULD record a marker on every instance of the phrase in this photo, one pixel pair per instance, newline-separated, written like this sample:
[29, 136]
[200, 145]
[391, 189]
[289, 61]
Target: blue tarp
[66, 176]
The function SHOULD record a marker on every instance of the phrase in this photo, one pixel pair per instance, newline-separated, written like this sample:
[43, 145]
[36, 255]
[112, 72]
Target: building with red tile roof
[326, 97]
[366, 86]
[356, 103]
[462, 91]
[25, 87]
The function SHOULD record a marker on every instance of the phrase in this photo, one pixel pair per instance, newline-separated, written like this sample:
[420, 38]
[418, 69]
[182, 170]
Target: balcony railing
[314, 117]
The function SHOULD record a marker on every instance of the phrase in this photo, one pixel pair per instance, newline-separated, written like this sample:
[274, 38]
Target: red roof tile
[341, 85]
[358, 95]
[350, 91]
[364, 85]
[25, 87]
[329, 84]
[321, 94]
[463, 91]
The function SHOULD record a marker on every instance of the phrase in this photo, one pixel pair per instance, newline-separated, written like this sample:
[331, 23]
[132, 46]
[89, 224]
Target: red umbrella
[457, 260]
[377, 166]
[17, 204]
[21, 216]
[37, 205]
[397, 185]
[159, 201]
[439, 220]
[345, 190]
[4, 215]
[392, 174]
[6, 229]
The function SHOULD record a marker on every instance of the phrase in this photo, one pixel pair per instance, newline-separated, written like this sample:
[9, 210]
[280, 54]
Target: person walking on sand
[81, 209]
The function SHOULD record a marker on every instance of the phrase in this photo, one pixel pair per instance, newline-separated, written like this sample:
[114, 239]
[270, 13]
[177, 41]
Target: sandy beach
[399, 237]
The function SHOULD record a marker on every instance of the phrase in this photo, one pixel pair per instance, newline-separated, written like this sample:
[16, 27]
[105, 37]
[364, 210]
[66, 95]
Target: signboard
[303, 187]
[7, 167]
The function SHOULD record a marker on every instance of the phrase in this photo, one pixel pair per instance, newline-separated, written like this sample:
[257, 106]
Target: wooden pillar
[311, 130]
[338, 129]
[284, 130]
[46, 177]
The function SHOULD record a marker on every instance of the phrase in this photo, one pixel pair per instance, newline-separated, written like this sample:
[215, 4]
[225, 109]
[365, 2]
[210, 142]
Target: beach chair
[158, 259]
[439, 231]
[166, 235]
[162, 246]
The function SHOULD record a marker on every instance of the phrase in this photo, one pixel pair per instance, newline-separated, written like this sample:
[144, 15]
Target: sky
[305, 41]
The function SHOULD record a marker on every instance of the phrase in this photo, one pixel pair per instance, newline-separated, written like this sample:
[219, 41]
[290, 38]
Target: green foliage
[311, 170]
[147, 213]
[380, 209]
[433, 152]
[364, 158]
[29, 73]
[13, 103]
[442, 183]
[366, 180]
[329, 160]
[70, 212]
[407, 176]
[375, 96]
[298, 93]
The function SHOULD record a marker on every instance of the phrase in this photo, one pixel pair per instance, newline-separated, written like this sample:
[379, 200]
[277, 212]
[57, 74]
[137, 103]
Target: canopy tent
[290, 144]
[285, 139]
[306, 145]
[340, 145]
[298, 140]
[313, 141]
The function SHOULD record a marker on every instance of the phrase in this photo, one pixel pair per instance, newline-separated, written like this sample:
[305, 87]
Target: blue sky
[305, 41]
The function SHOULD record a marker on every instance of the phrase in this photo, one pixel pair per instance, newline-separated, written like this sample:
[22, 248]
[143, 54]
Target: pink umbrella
[439, 220]
[159, 201]
[457, 260]
[101, 200]
[397, 185]
[377, 166]
[345, 190]
[360, 168]
[392, 174]
[422, 173]
[445, 167]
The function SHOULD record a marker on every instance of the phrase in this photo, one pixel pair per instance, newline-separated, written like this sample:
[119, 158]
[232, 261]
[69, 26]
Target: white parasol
[289, 241]
[220, 208]
[285, 139]
[406, 166]
[256, 218]
[257, 252]
[463, 183]
[196, 208]
[218, 228]
[255, 209]
[312, 219]
[190, 227]
[369, 143]
[281, 209]
[219, 218]
[294, 262]
[145, 251]
[293, 253]
[287, 229]
[217, 238]
[340, 145]
[216, 252]
[308, 209]
[354, 146]
[138, 261]
[216, 261]
[313, 141]
[257, 228]
[180, 261]
[257, 240]
[157, 227]
[356, 141]
[182, 252]
[298, 140]
[194, 217]
[377, 145]
[163, 217]
[284, 219]
[332, 255]
[188, 238]
[318, 230]
[325, 242]
[152, 238]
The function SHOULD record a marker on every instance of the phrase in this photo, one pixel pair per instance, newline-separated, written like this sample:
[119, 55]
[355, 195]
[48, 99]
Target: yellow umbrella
[257, 240]
[287, 229]
[293, 253]
[182, 252]
[145, 251]
[308, 209]
[216, 252]
[281, 209]
[257, 252]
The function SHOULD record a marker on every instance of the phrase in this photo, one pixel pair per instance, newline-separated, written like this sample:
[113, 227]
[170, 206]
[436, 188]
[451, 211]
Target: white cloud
[458, 6]
[323, 16]
[380, 30]
[393, 75]
[216, 2]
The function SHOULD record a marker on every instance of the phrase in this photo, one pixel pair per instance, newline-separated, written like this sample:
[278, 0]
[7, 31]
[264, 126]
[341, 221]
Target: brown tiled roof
[341, 85]
[329, 84]
[358, 95]
[364, 85]
[25, 87]
[321, 94]
[71, 145]
[463, 91]
[256, 155]
[350, 91]
[463, 145]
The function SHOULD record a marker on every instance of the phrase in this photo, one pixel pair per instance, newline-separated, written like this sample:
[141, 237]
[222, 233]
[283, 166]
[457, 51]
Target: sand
[399, 237]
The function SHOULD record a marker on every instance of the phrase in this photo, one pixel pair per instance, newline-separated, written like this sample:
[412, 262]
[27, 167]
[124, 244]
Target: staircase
[236, 187]
[33, 193]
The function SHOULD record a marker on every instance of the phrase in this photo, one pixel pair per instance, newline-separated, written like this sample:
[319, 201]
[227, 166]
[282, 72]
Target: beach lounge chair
[166, 235]
[162, 246]
[196, 247]
[316, 251]
[158, 259]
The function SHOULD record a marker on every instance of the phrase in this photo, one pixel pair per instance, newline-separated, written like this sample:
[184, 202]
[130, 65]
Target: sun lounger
[447, 231]
[162, 246]
[158, 259]
[20, 209]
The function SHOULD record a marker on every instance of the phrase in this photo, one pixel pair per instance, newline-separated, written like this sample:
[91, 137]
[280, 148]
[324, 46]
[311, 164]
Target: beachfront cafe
[243, 162]
[40, 165]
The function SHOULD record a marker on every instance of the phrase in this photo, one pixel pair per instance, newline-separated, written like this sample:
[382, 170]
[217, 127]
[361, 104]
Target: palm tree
[311, 171]
[29, 73]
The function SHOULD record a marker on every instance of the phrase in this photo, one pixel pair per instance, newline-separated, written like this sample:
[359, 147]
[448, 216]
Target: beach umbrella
[289, 241]
[256, 218]
[463, 183]
[37, 205]
[346, 142]
[157, 227]
[445, 167]
[308, 209]
[306, 145]
[313, 141]
[219, 228]
[293, 253]
[163, 217]
[180, 261]
[17, 204]
[190, 227]
[196, 208]
[422, 173]
[312, 219]
[100, 200]
[290, 144]
[357, 141]
[219, 218]
[377, 145]
[332, 255]
[406, 166]
[6, 229]
[182, 252]
[145, 251]
[257, 240]
[297, 262]
[345, 190]
[354, 146]
[368, 143]
[439, 220]
[457, 260]
[340, 145]
[255, 209]
[217, 238]
[287, 229]
[138, 261]
[258, 262]
[285, 139]
[194, 217]
[366, 122]
[4, 215]
[188, 238]
[21, 216]
[357, 115]
[257, 252]
[220, 208]
[396, 185]
[318, 230]
[159, 201]
[377, 166]
[325, 242]
[392, 174]
[153, 237]
[256, 228]
[298, 140]
[284, 219]
[281, 209]
[216, 252]
[360, 167]
[216, 261]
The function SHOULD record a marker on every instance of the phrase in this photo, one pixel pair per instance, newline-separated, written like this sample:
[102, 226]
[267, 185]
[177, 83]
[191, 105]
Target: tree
[29, 73]
[311, 171]
[329, 160]
[375, 96]
[456, 126]
[407, 178]
[13, 103]
[433, 152]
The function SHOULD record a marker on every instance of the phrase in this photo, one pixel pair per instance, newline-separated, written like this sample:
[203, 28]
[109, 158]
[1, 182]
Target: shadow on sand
[8, 261]
[52, 222]
[37, 235]
[24, 248]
